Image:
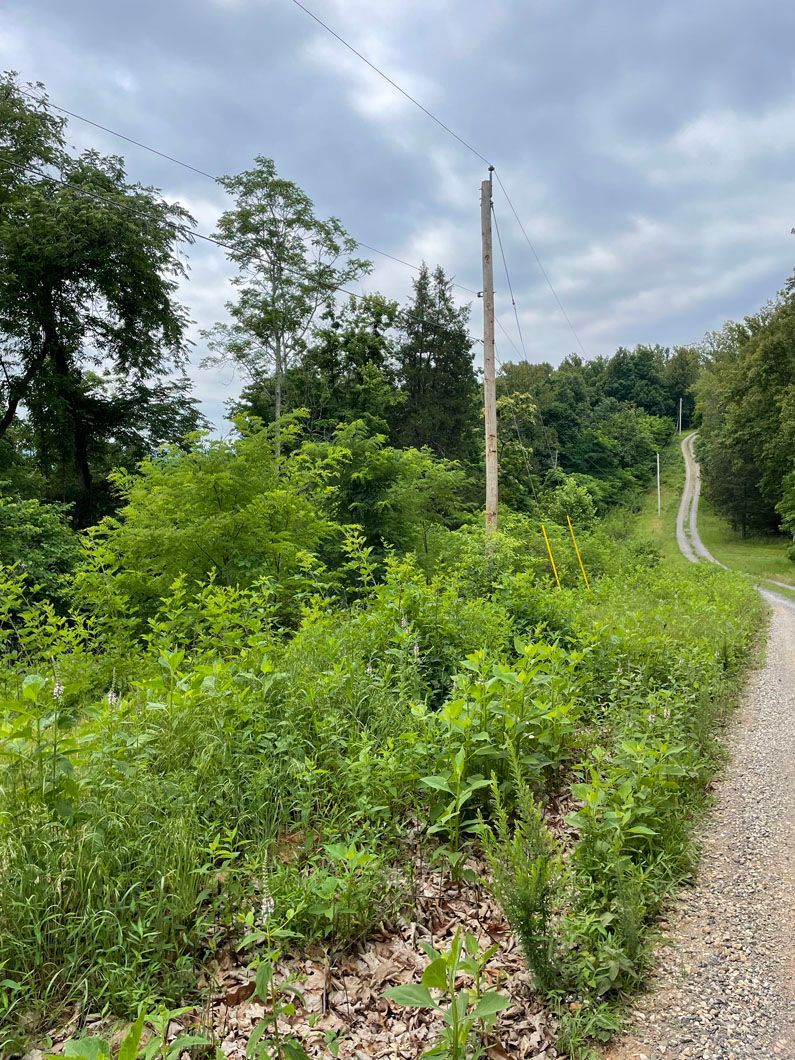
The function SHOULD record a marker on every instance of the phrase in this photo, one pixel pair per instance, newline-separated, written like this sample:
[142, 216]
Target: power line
[202, 172]
[115, 132]
[460, 139]
[541, 266]
[394, 84]
[508, 279]
[190, 234]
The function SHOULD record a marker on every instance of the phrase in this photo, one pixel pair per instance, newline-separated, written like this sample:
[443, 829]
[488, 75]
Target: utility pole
[659, 503]
[489, 369]
[680, 415]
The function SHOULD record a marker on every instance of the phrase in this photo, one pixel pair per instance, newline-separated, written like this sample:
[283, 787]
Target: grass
[661, 529]
[762, 558]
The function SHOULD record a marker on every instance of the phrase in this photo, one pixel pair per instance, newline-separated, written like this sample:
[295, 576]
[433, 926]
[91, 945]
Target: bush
[38, 540]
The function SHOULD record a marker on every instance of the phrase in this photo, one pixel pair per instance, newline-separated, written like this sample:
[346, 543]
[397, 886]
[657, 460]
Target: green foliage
[68, 306]
[435, 372]
[598, 423]
[156, 754]
[747, 436]
[290, 262]
[573, 500]
[469, 1012]
[228, 507]
[38, 539]
[656, 686]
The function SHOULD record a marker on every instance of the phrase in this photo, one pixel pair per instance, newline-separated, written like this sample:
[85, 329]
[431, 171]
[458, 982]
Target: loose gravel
[723, 988]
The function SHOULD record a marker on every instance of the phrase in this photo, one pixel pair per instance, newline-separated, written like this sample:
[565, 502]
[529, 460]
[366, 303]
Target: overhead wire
[451, 132]
[508, 279]
[190, 234]
[46, 101]
[540, 265]
[389, 80]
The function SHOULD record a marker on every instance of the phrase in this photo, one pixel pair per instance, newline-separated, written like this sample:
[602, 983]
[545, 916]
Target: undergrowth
[213, 777]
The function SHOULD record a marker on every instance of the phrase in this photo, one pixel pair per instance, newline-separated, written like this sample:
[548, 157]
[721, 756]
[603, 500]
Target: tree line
[94, 344]
[746, 403]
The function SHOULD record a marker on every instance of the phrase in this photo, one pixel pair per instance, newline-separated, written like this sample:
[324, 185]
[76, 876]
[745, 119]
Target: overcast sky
[649, 148]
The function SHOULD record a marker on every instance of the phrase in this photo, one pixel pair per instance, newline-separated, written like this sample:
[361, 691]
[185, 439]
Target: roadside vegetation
[250, 687]
[303, 732]
[763, 557]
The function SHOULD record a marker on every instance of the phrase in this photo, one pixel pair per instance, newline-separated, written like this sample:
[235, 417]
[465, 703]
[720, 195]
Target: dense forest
[257, 692]
[746, 403]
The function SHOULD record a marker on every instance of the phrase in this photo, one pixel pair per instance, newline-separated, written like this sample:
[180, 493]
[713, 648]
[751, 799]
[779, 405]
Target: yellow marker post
[551, 557]
[579, 557]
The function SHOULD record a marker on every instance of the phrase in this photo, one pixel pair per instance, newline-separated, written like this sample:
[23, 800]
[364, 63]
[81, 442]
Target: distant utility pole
[680, 415]
[489, 369]
[659, 499]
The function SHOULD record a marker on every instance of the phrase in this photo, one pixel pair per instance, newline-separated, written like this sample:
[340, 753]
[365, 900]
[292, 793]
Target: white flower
[404, 622]
[651, 719]
[112, 698]
[267, 904]
[57, 691]
[416, 650]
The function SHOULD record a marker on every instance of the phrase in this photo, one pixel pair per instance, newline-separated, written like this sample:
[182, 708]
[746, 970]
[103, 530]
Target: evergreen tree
[435, 372]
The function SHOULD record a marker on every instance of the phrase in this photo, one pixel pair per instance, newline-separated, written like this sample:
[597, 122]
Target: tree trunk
[83, 507]
[68, 390]
[277, 395]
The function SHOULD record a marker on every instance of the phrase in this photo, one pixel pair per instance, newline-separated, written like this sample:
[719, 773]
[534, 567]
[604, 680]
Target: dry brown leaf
[239, 993]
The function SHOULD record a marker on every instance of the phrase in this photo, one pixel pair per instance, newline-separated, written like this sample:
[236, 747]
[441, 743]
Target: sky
[649, 149]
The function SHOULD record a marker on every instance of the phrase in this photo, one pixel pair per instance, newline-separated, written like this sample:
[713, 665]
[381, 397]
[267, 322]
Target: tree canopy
[90, 328]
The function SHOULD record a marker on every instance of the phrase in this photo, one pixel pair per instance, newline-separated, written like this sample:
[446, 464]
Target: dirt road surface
[723, 984]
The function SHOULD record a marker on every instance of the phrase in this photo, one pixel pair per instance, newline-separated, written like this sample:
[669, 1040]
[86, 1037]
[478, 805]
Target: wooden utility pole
[659, 498]
[680, 415]
[489, 369]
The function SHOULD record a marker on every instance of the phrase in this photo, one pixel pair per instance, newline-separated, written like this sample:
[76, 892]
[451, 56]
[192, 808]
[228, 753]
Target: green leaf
[490, 1004]
[128, 1050]
[294, 1051]
[641, 829]
[31, 687]
[88, 1049]
[435, 974]
[413, 995]
[438, 783]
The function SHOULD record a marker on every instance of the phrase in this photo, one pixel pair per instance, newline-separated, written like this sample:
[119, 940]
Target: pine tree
[435, 371]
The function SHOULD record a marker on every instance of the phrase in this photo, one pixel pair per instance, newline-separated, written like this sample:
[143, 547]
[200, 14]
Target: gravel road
[723, 987]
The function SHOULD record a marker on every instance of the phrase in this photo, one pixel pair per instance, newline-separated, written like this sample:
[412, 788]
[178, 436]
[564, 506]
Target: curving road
[725, 987]
[687, 536]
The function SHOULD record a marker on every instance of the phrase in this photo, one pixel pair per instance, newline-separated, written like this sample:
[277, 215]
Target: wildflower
[57, 692]
[651, 719]
[267, 904]
[416, 650]
[369, 669]
[666, 713]
[112, 698]
[404, 622]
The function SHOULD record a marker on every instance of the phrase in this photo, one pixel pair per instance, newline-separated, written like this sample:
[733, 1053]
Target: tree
[346, 373]
[746, 397]
[682, 370]
[435, 372]
[38, 539]
[637, 377]
[290, 265]
[224, 507]
[88, 275]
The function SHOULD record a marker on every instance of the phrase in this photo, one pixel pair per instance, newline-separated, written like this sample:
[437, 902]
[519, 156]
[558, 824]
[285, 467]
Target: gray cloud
[650, 150]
